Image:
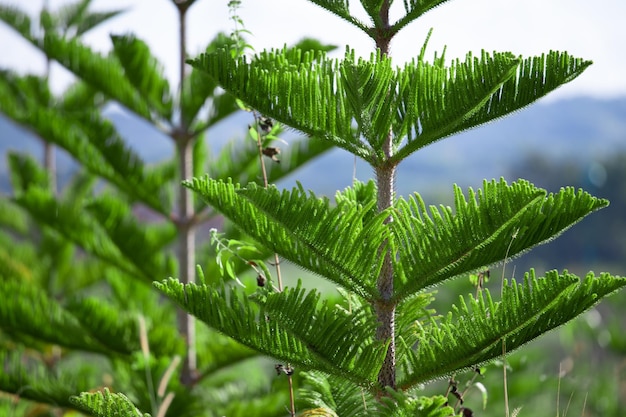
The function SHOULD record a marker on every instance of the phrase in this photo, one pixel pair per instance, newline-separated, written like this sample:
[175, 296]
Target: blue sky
[527, 27]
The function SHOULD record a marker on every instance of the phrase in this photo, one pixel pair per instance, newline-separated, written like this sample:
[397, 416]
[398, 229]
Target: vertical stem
[259, 145]
[49, 160]
[385, 308]
[186, 257]
[383, 35]
[182, 12]
[186, 229]
[292, 404]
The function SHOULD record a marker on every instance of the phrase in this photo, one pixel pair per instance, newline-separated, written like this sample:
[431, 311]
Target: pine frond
[414, 9]
[159, 314]
[311, 98]
[361, 193]
[106, 404]
[80, 96]
[104, 74]
[17, 20]
[25, 172]
[142, 244]
[473, 332]
[325, 98]
[343, 397]
[23, 91]
[198, 89]
[70, 14]
[17, 259]
[122, 166]
[329, 331]
[338, 245]
[256, 327]
[111, 327]
[145, 73]
[77, 16]
[69, 220]
[80, 187]
[12, 217]
[498, 222]
[437, 101]
[341, 8]
[86, 136]
[411, 314]
[94, 19]
[400, 404]
[344, 237]
[31, 379]
[28, 310]
[367, 86]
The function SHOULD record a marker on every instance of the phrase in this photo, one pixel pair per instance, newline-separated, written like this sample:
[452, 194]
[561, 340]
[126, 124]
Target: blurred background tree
[78, 258]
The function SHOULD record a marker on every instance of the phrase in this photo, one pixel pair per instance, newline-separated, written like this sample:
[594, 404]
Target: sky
[591, 30]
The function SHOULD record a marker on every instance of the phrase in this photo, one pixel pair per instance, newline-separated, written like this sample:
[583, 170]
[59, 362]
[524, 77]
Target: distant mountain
[583, 129]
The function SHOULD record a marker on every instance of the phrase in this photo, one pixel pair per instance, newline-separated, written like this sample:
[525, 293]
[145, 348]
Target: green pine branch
[71, 222]
[144, 73]
[277, 329]
[420, 103]
[106, 404]
[17, 20]
[338, 245]
[473, 332]
[31, 312]
[30, 378]
[498, 222]
[341, 8]
[103, 73]
[89, 138]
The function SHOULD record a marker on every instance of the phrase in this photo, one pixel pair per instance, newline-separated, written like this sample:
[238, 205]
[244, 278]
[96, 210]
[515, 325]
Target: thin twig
[506, 392]
[145, 350]
[259, 143]
[292, 404]
[257, 118]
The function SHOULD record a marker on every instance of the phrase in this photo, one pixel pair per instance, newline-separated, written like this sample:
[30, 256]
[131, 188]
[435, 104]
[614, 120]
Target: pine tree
[79, 312]
[369, 354]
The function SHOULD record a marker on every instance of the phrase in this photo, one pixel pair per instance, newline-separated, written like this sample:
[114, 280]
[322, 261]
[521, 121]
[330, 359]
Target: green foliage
[472, 333]
[106, 404]
[144, 73]
[385, 252]
[305, 243]
[77, 314]
[430, 101]
[78, 317]
[498, 222]
[314, 338]
[29, 377]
